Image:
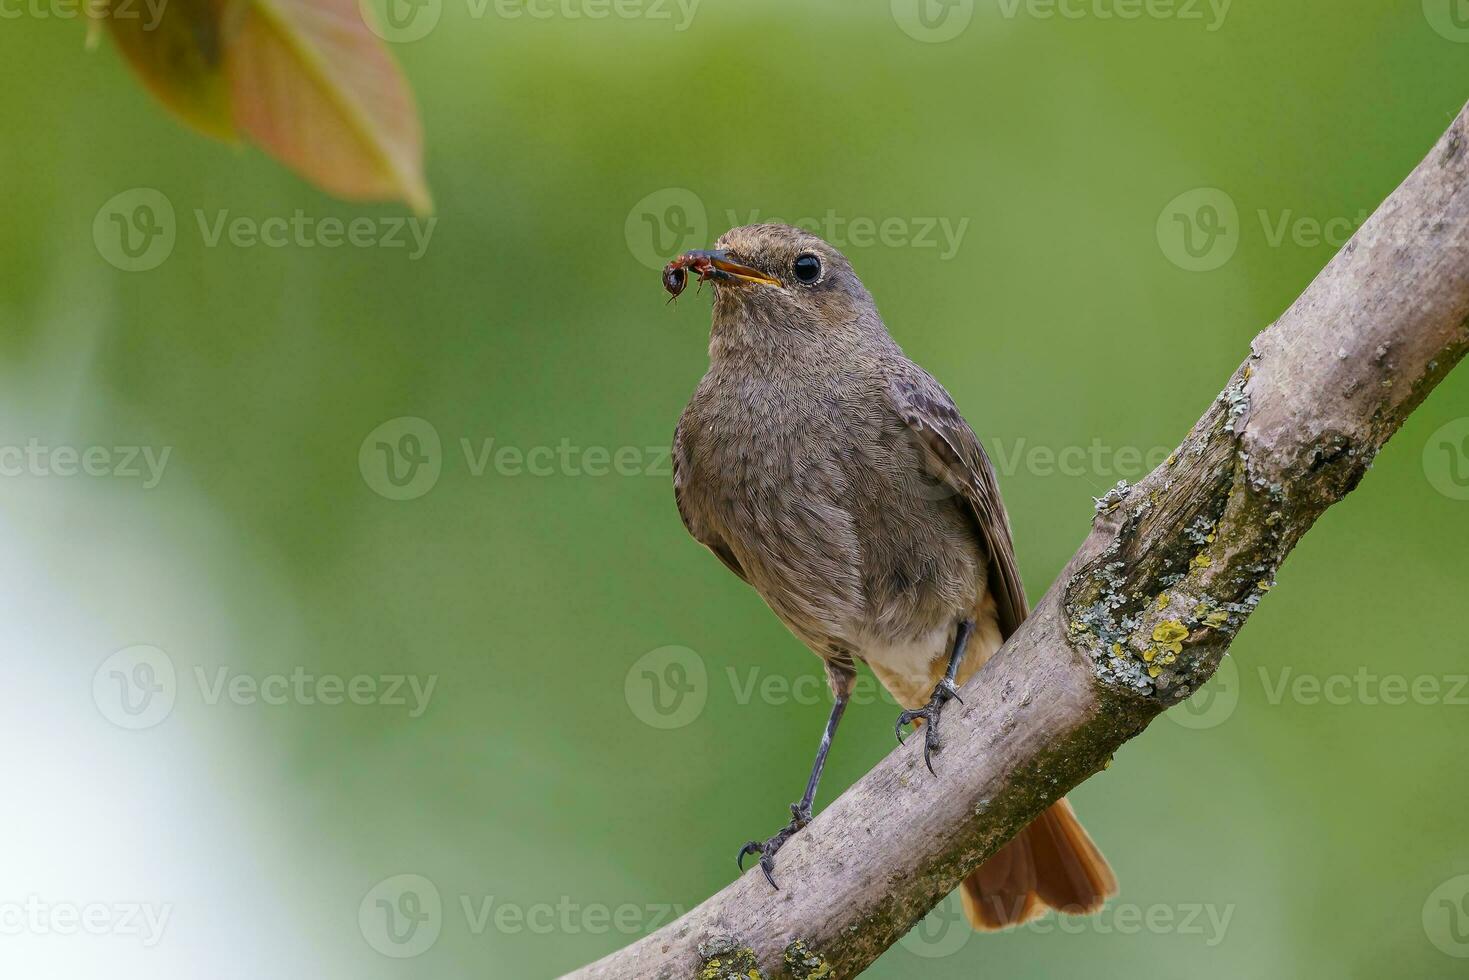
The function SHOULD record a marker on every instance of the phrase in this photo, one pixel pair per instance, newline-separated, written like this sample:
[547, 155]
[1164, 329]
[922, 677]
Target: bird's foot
[799, 818]
[942, 695]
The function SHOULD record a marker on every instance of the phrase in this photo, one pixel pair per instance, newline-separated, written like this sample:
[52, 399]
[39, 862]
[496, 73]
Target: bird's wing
[682, 474]
[955, 457]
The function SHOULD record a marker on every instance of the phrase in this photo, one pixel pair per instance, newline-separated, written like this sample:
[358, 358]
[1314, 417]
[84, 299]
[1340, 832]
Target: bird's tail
[1050, 864]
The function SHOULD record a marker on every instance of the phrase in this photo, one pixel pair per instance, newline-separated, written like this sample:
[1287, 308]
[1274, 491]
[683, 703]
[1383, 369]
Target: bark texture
[1139, 618]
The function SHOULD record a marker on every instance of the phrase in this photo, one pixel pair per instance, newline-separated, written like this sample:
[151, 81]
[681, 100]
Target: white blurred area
[163, 852]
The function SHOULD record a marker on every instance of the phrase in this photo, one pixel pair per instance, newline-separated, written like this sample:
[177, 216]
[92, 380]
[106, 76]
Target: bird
[836, 477]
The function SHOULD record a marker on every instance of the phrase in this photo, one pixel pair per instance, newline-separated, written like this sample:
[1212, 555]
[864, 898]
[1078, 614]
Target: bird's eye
[807, 268]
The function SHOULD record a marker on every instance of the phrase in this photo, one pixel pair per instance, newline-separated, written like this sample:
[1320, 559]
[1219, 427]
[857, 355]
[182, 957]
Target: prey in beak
[710, 264]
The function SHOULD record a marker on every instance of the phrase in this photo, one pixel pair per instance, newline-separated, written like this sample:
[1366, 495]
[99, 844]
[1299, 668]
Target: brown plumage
[838, 479]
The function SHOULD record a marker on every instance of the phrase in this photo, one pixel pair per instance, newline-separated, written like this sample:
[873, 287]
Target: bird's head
[779, 286]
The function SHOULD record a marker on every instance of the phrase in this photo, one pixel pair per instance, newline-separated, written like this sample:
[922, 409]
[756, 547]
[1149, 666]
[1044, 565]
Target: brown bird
[836, 477]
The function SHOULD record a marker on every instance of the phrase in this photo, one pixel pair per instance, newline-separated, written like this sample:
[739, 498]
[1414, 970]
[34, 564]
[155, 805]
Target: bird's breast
[818, 492]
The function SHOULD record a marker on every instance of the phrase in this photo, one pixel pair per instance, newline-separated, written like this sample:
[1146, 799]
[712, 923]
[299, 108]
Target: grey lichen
[1237, 400]
[802, 963]
[1112, 497]
[1201, 531]
[1157, 606]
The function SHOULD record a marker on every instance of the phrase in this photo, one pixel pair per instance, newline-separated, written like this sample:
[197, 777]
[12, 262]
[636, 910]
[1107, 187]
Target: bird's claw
[767, 849]
[942, 695]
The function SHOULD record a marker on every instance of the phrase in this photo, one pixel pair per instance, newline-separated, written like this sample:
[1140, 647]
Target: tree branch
[1139, 618]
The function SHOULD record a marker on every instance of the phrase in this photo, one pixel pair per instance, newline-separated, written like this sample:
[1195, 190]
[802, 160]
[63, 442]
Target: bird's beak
[729, 271]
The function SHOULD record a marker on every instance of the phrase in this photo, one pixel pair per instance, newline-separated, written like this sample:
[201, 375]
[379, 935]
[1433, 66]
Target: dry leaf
[314, 86]
[306, 79]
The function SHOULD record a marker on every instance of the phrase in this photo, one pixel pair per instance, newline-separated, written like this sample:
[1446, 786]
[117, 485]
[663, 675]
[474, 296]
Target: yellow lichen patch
[1169, 635]
[1163, 601]
[1149, 654]
[1170, 631]
[1201, 561]
[1264, 586]
[1154, 670]
[1117, 650]
[1216, 619]
[726, 959]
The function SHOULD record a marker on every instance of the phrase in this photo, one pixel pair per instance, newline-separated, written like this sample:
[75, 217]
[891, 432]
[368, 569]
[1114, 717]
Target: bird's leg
[942, 695]
[800, 812]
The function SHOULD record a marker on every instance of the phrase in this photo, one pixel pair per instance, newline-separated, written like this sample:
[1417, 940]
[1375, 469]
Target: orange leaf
[315, 87]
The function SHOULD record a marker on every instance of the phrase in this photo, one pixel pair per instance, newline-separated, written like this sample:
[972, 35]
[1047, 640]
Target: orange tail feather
[1050, 864]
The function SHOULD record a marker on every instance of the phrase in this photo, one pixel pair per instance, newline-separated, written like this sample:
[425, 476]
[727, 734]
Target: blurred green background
[572, 781]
